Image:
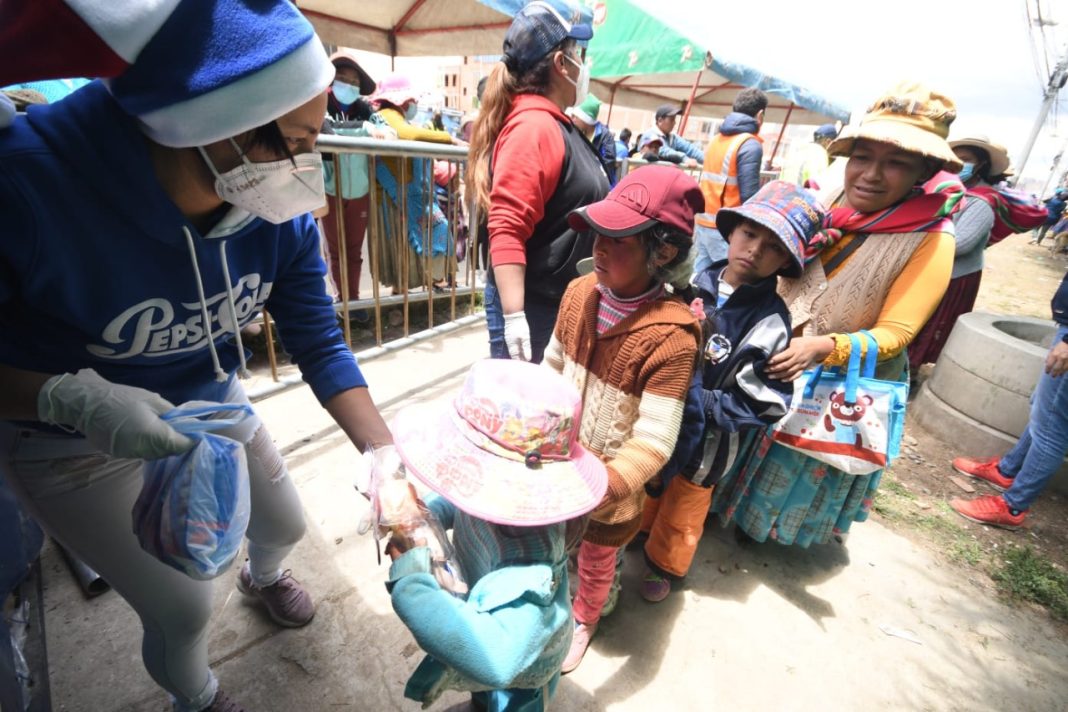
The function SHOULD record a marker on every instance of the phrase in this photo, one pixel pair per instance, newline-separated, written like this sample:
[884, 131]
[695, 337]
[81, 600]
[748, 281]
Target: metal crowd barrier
[390, 255]
[393, 260]
[626, 165]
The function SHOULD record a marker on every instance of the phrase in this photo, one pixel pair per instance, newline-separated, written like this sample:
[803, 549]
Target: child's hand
[803, 352]
[398, 544]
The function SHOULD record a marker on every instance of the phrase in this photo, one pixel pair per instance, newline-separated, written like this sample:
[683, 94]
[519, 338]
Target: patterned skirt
[959, 299]
[784, 495]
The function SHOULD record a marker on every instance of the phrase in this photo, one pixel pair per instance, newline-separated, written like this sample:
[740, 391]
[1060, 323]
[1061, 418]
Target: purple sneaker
[287, 602]
[655, 588]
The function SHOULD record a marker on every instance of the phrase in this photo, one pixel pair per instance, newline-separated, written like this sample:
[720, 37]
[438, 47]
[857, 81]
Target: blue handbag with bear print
[850, 420]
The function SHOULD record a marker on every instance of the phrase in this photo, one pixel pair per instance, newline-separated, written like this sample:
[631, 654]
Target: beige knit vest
[854, 298]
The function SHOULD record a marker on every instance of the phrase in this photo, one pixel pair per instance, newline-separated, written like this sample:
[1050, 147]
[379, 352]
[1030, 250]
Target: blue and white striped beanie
[192, 71]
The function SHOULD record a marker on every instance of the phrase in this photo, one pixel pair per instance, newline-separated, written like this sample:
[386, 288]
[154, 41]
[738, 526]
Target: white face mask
[276, 191]
[411, 112]
[582, 84]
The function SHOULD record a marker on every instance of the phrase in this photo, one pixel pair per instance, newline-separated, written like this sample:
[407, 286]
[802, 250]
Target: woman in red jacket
[529, 167]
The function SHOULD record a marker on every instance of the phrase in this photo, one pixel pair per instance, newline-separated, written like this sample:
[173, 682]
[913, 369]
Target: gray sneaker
[286, 600]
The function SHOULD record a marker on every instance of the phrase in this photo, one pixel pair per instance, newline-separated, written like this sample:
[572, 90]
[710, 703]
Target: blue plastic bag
[20, 542]
[193, 509]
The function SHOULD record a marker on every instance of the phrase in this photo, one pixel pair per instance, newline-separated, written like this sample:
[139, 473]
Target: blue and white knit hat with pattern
[192, 71]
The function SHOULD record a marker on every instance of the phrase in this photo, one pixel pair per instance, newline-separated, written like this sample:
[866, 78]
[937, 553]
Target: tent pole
[414, 8]
[689, 103]
[612, 98]
[781, 132]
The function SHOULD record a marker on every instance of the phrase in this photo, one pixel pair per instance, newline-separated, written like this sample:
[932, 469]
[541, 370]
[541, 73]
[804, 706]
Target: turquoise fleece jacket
[514, 628]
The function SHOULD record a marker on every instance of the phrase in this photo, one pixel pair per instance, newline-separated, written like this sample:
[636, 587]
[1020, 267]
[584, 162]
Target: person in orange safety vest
[731, 173]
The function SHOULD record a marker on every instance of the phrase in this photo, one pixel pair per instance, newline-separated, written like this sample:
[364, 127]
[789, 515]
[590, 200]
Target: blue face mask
[345, 93]
[411, 111]
[967, 172]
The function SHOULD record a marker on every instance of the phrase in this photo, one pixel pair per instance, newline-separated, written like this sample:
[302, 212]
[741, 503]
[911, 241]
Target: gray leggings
[84, 499]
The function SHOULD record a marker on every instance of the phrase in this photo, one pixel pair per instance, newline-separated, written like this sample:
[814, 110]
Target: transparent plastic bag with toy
[400, 516]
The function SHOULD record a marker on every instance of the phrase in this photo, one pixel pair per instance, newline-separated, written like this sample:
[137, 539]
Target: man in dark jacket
[738, 147]
[675, 148]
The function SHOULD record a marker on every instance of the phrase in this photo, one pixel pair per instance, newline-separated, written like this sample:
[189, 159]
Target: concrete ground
[875, 624]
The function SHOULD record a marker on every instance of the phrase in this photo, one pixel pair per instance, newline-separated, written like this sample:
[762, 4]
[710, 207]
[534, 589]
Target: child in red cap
[629, 346]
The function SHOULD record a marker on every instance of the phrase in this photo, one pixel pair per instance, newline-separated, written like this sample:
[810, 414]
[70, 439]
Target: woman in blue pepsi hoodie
[147, 219]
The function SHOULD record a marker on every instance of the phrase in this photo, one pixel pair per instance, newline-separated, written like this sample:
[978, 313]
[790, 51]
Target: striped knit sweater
[633, 380]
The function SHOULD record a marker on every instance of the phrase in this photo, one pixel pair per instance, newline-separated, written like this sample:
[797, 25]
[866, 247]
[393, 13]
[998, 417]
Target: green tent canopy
[640, 62]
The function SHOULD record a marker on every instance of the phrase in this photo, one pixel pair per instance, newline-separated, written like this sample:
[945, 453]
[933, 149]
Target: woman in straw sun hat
[396, 104]
[509, 475]
[988, 214]
[881, 264]
[150, 217]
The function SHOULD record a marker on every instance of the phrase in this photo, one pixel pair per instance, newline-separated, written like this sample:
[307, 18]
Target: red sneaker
[989, 509]
[983, 470]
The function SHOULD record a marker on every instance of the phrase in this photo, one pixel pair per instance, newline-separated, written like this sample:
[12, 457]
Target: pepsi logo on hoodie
[156, 327]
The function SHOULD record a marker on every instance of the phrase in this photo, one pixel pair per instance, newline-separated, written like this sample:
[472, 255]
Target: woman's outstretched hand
[802, 353]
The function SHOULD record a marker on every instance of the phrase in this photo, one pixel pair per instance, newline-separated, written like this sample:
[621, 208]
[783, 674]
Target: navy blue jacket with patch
[731, 396]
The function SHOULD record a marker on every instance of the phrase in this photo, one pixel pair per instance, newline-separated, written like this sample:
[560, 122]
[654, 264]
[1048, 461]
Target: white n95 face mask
[582, 83]
[276, 191]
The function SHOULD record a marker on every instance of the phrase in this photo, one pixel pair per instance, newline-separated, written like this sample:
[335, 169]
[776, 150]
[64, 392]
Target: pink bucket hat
[395, 89]
[506, 449]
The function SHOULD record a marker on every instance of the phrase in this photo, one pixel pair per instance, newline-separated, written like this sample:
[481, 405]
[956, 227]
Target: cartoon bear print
[844, 416]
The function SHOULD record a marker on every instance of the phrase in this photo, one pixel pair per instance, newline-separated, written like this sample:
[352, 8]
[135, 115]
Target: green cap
[588, 110]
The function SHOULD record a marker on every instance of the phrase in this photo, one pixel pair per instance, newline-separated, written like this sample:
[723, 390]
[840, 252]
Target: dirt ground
[1019, 279]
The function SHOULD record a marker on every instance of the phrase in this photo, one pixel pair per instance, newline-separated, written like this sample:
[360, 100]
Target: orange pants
[675, 521]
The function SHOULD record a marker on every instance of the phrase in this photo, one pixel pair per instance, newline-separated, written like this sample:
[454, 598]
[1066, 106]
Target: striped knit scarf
[927, 208]
[612, 309]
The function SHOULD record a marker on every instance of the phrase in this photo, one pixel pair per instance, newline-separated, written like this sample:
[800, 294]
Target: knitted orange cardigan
[633, 380]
